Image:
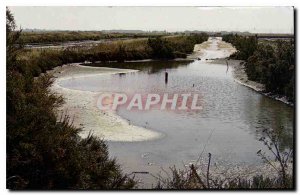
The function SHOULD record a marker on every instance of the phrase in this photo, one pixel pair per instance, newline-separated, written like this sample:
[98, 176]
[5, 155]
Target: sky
[251, 19]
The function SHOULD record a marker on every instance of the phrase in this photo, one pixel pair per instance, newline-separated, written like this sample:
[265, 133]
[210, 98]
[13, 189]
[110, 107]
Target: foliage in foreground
[192, 179]
[272, 64]
[196, 178]
[43, 153]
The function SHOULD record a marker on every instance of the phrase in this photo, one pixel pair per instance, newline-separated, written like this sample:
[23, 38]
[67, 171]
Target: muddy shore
[81, 107]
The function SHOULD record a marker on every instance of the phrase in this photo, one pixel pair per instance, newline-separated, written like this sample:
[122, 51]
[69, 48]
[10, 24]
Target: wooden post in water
[227, 66]
[166, 77]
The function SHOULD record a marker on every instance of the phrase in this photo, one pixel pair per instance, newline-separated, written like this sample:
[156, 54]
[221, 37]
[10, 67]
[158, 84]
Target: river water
[229, 125]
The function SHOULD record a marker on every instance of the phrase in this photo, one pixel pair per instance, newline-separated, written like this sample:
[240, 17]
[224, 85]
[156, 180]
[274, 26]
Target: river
[229, 125]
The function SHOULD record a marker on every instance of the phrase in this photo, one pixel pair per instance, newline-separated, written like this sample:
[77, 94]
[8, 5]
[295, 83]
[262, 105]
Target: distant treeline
[52, 37]
[270, 63]
[65, 36]
[37, 61]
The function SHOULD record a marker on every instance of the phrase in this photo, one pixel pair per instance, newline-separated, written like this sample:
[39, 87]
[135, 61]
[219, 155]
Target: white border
[5, 3]
[155, 2]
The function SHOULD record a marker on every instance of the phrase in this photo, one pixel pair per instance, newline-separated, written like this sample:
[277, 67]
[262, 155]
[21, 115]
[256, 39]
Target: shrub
[271, 63]
[43, 152]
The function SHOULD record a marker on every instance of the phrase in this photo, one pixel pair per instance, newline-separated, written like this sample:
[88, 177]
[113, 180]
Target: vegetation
[54, 37]
[272, 64]
[245, 45]
[175, 46]
[196, 178]
[38, 61]
[161, 48]
[46, 153]
[43, 152]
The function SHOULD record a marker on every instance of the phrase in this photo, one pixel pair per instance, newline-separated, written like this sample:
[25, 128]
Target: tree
[42, 151]
[272, 64]
[12, 37]
[160, 48]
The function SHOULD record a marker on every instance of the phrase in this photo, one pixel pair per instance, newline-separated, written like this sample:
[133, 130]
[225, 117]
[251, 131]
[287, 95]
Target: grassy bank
[38, 61]
[267, 62]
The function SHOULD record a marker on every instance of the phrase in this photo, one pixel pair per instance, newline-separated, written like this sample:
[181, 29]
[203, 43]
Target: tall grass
[199, 176]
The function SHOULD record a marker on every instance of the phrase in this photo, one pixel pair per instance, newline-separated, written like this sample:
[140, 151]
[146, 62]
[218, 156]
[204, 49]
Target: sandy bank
[222, 50]
[81, 106]
[242, 78]
[213, 48]
[240, 75]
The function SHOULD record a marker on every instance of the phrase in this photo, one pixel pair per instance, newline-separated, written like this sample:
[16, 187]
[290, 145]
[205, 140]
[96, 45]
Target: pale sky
[252, 19]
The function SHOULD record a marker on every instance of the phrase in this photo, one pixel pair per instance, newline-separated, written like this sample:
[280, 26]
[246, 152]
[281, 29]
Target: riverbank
[278, 77]
[210, 50]
[148, 157]
[242, 78]
[81, 107]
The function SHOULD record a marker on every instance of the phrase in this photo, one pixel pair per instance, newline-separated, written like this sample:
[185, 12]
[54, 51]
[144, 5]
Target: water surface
[229, 126]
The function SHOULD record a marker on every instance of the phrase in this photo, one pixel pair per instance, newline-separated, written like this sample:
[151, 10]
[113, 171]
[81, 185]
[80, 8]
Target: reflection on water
[150, 67]
[279, 120]
[229, 126]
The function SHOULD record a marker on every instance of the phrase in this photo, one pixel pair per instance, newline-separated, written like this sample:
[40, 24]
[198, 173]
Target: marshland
[58, 138]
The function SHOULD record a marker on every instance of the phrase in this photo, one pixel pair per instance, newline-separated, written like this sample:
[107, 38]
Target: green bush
[43, 152]
[272, 64]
